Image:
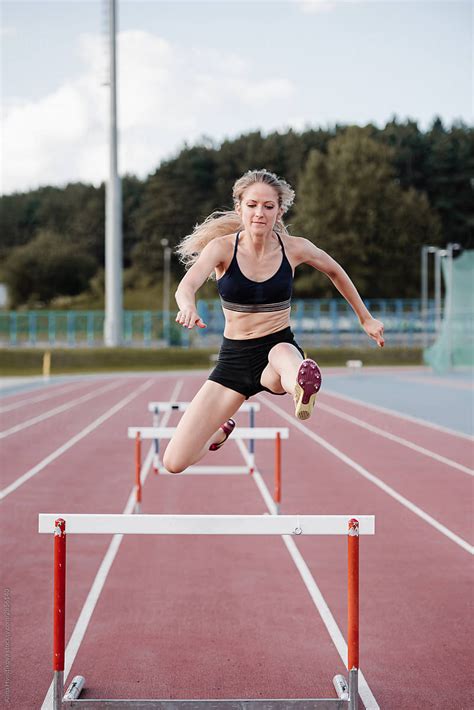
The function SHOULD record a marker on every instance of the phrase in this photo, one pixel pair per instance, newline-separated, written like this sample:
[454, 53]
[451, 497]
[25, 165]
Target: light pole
[166, 290]
[425, 250]
[113, 216]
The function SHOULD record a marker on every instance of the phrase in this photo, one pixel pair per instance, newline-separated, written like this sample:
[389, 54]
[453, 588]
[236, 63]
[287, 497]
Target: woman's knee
[173, 463]
[282, 350]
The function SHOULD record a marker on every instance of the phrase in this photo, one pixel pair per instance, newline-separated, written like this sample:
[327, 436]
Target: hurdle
[158, 408]
[252, 433]
[350, 525]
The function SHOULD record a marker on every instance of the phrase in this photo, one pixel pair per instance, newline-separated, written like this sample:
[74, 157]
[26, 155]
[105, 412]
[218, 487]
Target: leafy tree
[46, 267]
[352, 206]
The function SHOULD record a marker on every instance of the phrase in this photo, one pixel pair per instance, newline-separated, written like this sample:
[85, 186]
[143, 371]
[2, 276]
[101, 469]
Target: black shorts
[241, 362]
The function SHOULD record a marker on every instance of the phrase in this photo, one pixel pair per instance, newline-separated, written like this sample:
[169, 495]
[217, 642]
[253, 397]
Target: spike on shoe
[228, 427]
[308, 383]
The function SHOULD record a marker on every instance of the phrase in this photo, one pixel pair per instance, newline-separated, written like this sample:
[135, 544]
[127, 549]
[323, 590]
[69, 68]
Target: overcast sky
[221, 68]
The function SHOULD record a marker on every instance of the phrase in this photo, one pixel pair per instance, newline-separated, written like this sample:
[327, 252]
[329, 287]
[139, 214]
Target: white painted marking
[112, 523]
[207, 470]
[151, 432]
[315, 593]
[58, 410]
[87, 430]
[182, 406]
[100, 579]
[373, 479]
[397, 439]
[399, 415]
[53, 391]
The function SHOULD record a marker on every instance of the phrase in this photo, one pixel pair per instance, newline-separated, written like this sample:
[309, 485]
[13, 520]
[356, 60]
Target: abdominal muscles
[242, 326]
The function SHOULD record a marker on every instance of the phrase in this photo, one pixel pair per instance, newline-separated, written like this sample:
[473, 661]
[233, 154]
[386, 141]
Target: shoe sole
[308, 383]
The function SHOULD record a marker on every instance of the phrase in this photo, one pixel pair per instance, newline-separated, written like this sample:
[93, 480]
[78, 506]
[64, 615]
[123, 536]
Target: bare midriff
[244, 326]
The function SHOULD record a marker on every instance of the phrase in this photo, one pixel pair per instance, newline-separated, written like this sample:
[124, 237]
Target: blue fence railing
[314, 321]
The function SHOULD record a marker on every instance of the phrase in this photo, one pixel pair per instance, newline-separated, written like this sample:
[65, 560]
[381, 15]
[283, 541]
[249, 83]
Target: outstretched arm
[185, 295]
[321, 261]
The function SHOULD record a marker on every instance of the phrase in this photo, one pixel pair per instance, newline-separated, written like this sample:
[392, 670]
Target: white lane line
[399, 415]
[373, 479]
[450, 384]
[58, 410]
[55, 392]
[397, 439]
[87, 430]
[327, 618]
[101, 576]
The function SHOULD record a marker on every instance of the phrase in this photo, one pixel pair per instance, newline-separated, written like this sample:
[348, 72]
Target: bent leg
[279, 376]
[199, 426]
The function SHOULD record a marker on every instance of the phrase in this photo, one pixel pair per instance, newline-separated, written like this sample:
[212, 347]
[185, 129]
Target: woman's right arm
[210, 257]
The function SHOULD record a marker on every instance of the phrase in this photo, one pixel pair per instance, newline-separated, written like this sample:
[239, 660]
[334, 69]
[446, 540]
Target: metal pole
[59, 611]
[113, 215]
[449, 304]
[438, 254]
[424, 293]
[353, 612]
[166, 290]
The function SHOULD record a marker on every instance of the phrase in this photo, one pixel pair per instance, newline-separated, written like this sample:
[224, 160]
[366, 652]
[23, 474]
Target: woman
[253, 258]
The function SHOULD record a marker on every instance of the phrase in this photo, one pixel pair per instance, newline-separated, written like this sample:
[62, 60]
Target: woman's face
[259, 209]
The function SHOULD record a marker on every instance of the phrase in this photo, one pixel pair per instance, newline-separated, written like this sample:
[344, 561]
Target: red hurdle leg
[353, 611]
[138, 468]
[277, 493]
[59, 611]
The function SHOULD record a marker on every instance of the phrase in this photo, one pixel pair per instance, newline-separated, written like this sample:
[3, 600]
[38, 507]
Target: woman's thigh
[283, 358]
[211, 406]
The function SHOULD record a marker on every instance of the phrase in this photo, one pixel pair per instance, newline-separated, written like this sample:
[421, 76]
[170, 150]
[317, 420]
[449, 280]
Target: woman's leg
[288, 372]
[199, 426]
[283, 363]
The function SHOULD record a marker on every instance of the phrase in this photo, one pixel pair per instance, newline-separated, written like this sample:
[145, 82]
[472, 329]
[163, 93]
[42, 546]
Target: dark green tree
[351, 205]
[45, 268]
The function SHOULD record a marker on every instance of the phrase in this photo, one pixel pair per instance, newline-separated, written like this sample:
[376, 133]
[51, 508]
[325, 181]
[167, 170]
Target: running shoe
[228, 427]
[308, 382]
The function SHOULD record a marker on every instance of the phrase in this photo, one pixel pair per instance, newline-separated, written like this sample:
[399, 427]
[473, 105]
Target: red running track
[230, 617]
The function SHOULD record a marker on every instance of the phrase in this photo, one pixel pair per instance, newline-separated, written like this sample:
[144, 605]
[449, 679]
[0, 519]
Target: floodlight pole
[425, 251]
[113, 208]
[166, 290]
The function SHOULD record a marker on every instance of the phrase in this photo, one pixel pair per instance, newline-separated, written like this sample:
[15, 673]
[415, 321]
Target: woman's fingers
[188, 319]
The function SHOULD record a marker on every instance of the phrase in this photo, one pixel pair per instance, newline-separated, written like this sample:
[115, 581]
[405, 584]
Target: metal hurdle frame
[348, 525]
[158, 408]
[252, 433]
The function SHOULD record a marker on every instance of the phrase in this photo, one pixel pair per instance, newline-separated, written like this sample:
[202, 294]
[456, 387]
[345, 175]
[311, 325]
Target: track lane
[95, 475]
[415, 584]
[459, 449]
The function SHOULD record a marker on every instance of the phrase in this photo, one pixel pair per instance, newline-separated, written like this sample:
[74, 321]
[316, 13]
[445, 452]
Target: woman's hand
[189, 317]
[374, 329]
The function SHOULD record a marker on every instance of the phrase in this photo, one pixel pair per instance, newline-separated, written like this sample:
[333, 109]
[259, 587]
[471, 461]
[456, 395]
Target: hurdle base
[71, 700]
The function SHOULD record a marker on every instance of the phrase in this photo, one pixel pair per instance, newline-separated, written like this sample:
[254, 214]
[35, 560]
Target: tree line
[369, 196]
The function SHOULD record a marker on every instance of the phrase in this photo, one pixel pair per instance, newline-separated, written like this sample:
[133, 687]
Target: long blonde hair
[224, 222]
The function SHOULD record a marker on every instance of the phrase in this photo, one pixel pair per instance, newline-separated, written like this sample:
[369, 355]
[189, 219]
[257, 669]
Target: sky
[192, 69]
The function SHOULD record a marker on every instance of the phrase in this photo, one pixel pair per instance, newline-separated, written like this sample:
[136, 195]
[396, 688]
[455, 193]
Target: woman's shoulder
[295, 244]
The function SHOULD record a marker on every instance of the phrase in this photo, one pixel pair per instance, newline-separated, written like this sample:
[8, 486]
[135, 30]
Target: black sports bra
[238, 293]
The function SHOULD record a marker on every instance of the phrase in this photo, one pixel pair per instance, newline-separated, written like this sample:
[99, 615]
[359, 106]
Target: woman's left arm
[320, 260]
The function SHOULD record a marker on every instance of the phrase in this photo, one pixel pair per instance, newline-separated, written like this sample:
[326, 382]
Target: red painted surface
[277, 494]
[59, 594]
[182, 617]
[353, 595]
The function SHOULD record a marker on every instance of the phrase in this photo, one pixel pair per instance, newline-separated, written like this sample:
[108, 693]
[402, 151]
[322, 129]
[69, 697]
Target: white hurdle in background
[253, 433]
[158, 408]
[348, 525]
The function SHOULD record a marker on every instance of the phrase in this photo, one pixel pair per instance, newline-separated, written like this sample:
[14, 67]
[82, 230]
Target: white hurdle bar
[351, 526]
[252, 433]
[158, 408]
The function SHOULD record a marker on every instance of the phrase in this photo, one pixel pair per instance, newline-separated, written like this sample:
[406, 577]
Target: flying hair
[222, 222]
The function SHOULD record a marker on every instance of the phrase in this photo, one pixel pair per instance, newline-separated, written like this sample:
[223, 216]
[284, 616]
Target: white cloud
[320, 6]
[167, 94]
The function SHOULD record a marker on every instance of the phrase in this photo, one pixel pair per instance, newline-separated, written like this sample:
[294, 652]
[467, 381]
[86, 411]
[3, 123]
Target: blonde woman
[253, 258]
